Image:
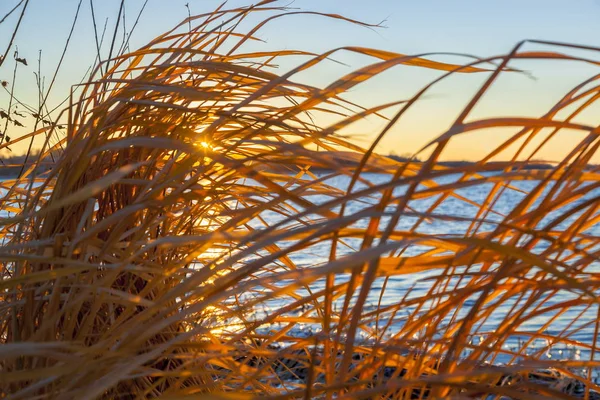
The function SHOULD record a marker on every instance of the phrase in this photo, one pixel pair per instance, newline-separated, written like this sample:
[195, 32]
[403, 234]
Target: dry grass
[182, 199]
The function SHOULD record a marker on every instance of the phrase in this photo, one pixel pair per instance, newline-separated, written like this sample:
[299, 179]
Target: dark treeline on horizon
[461, 163]
[12, 164]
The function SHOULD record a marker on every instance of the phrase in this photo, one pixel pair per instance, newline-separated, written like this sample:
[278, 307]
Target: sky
[477, 27]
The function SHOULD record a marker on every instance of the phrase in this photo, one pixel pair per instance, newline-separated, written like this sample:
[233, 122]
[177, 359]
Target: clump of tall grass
[159, 255]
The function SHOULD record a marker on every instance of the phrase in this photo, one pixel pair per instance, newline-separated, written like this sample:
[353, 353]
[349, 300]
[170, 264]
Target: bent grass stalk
[148, 260]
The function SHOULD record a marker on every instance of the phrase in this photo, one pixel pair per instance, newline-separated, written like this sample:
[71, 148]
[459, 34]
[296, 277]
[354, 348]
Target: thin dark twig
[62, 56]
[112, 45]
[11, 11]
[41, 108]
[98, 59]
[187, 5]
[124, 30]
[10, 102]
[21, 103]
[126, 45]
[39, 79]
[62, 102]
[14, 34]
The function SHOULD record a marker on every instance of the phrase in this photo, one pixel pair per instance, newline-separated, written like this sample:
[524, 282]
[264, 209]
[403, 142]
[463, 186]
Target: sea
[574, 324]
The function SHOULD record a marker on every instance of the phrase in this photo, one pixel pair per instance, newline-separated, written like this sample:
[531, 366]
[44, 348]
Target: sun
[203, 144]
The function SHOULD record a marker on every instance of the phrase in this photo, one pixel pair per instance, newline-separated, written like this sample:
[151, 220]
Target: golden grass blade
[203, 234]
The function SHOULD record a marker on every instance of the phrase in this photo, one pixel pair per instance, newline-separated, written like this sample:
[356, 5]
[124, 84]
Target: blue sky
[480, 27]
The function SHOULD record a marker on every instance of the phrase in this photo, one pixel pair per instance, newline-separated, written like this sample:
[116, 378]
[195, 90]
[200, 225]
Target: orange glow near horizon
[478, 28]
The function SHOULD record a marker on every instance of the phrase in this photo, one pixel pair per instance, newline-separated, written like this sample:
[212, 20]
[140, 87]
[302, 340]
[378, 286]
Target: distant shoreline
[12, 171]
